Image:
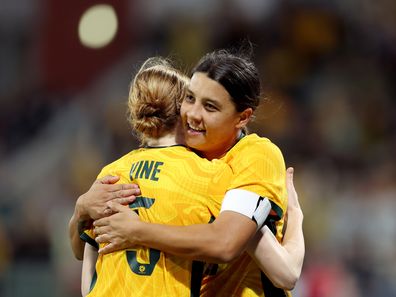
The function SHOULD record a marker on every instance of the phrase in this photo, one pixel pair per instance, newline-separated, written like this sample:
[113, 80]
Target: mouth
[194, 130]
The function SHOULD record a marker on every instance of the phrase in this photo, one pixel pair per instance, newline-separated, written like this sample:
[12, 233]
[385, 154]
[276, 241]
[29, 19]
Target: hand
[117, 229]
[293, 201]
[92, 204]
[293, 204]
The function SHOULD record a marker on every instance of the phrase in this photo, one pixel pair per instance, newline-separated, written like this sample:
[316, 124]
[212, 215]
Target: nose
[194, 112]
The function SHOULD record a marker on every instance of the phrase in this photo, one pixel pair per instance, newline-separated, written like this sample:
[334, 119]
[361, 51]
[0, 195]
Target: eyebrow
[205, 99]
[211, 101]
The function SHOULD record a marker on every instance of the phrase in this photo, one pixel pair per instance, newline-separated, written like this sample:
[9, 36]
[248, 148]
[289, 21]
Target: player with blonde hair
[178, 188]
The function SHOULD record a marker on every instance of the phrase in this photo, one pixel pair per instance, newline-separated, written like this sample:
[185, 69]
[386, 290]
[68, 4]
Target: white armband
[248, 204]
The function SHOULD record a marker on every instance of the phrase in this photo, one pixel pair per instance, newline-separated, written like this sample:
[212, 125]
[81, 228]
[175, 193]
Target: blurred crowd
[328, 71]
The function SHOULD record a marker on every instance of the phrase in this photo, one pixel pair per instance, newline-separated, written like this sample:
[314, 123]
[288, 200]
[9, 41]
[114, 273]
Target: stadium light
[98, 26]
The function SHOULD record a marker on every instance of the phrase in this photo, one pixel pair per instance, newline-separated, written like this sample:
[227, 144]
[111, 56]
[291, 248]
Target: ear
[244, 117]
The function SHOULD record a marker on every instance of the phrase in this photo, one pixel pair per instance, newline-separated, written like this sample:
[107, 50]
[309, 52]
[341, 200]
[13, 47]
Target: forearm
[77, 224]
[281, 263]
[88, 268]
[293, 240]
[218, 242]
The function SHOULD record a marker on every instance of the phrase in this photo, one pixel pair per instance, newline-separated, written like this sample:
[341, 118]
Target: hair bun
[150, 111]
[154, 98]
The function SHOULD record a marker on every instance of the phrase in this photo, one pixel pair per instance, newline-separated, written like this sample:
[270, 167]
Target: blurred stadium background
[328, 70]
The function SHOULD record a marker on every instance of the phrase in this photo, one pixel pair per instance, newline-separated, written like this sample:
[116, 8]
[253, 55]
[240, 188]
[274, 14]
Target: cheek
[215, 124]
[183, 111]
[224, 121]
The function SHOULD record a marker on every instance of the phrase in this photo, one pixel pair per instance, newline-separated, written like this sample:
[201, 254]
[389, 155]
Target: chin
[194, 144]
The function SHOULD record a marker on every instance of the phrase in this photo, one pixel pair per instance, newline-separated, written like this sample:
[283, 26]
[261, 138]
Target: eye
[189, 98]
[210, 107]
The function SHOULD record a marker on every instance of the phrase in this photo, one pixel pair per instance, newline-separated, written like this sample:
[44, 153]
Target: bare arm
[88, 268]
[77, 224]
[282, 263]
[92, 205]
[218, 242]
[222, 241]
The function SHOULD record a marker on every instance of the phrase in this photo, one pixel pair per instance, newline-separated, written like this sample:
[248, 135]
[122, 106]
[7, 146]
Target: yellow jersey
[177, 188]
[258, 166]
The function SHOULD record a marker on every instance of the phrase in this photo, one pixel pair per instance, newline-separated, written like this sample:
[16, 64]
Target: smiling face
[212, 124]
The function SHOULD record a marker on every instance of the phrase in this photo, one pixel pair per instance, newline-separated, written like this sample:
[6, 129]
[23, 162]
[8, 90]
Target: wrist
[80, 211]
[138, 232]
[296, 211]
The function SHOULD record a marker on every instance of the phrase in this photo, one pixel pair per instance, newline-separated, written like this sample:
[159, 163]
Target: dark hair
[236, 73]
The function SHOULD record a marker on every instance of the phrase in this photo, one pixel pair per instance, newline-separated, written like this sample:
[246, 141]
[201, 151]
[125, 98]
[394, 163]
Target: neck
[172, 138]
[167, 140]
[225, 147]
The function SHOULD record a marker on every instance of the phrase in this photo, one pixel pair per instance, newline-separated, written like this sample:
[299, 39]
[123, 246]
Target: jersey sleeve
[259, 173]
[115, 169]
[217, 186]
[89, 237]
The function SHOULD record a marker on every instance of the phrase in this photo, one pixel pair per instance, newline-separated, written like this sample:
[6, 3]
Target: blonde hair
[155, 97]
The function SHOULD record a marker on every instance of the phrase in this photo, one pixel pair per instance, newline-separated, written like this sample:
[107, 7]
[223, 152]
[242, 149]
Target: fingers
[101, 222]
[116, 207]
[101, 230]
[289, 180]
[123, 187]
[128, 191]
[108, 249]
[124, 201]
[292, 194]
[289, 177]
[108, 183]
[104, 238]
[108, 179]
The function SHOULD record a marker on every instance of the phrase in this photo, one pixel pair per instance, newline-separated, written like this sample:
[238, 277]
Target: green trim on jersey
[93, 281]
[277, 209]
[143, 268]
[142, 202]
[85, 237]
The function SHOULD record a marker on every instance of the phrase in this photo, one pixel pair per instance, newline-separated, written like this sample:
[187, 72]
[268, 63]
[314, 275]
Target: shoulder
[120, 163]
[125, 158]
[253, 142]
[253, 147]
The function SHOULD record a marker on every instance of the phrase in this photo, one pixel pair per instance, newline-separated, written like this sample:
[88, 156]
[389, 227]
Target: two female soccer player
[222, 96]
